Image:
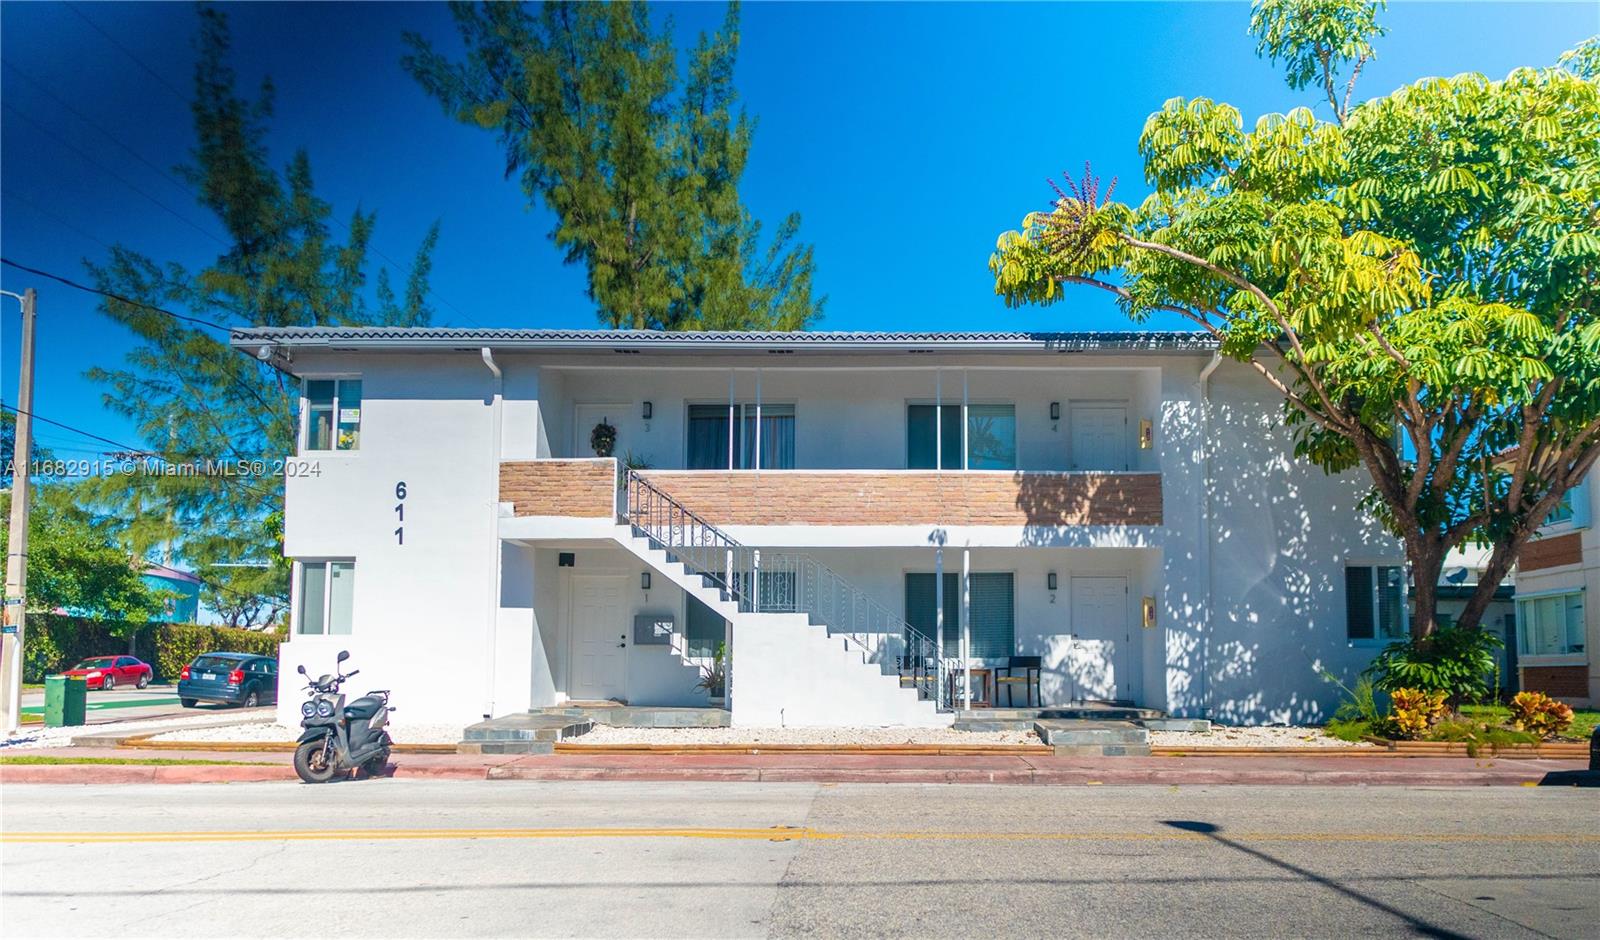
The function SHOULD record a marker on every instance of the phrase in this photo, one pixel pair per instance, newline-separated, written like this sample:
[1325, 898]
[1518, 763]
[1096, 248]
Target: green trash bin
[64, 697]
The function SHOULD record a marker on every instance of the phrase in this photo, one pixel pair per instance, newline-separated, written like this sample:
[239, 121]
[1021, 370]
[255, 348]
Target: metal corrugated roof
[418, 338]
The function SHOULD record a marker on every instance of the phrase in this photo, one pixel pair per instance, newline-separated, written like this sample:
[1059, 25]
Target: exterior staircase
[812, 649]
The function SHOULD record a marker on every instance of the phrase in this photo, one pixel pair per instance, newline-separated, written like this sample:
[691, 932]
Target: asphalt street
[124, 703]
[391, 858]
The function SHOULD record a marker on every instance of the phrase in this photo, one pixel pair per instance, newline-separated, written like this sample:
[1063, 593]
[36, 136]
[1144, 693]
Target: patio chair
[1019, 670]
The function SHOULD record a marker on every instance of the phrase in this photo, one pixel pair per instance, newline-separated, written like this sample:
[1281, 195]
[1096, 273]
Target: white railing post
[755, 580]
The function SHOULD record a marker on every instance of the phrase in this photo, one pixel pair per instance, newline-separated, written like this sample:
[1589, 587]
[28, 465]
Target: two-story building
[875, 527]
[1557, 628]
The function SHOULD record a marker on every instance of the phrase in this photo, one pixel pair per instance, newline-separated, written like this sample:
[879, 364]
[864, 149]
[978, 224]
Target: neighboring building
[184, 604]
[1125, 507]
[1558, 626]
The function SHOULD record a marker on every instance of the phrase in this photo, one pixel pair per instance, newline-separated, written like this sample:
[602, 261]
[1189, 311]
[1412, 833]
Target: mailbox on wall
[652, 629]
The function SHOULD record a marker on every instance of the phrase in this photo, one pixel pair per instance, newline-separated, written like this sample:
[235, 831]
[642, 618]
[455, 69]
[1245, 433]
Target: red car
[108, 672]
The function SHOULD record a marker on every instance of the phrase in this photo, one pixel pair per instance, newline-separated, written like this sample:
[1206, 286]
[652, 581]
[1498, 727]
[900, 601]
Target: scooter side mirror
[301, 669]
[344, 655]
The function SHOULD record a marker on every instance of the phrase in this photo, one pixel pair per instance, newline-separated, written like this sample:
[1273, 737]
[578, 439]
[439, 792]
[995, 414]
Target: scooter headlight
[324, 708]
[308, 709]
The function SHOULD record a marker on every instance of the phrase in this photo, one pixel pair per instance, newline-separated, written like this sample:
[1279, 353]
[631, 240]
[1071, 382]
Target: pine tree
[639, 164]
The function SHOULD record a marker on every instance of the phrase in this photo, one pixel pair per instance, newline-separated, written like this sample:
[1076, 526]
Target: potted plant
[714, 676]
[603, 438]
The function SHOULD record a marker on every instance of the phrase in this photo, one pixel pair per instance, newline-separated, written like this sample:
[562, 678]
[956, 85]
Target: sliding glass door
[708, 445]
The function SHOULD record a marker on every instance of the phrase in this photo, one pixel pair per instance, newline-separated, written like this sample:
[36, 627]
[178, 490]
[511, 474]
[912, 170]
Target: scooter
[338, 737]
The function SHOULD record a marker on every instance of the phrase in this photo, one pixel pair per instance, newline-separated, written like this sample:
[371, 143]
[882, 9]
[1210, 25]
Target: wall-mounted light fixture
[1147, 434]
[1055, 411]
[567, 560]
[1050, 581]
[644, 580]
[1148, 605]
[649, 410]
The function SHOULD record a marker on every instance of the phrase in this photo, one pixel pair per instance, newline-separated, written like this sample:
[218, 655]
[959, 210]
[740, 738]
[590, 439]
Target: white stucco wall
[460, 627]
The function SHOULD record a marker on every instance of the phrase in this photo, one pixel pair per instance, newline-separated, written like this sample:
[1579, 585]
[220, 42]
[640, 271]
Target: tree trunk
[1501, 559]
[1426, 556]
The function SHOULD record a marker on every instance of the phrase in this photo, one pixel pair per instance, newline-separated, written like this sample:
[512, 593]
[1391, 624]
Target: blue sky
[907, 135]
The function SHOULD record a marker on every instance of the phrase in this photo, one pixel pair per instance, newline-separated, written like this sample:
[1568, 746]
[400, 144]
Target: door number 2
[400, 512]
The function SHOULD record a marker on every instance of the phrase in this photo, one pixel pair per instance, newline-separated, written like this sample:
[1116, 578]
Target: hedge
[57, 641]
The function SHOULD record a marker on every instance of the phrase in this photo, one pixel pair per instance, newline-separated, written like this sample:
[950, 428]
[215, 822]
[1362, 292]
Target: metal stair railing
[784, 582]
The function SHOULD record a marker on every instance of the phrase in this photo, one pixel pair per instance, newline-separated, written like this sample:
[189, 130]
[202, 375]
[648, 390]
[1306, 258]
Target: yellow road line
[777, 834]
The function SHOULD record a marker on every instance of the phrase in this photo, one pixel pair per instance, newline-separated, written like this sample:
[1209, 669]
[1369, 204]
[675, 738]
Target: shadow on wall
[1281, 534]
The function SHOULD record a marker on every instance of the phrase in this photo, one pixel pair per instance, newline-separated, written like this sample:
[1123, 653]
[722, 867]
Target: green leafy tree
[1416, 276]
[76, 562]
[639, 164]
[194, 400]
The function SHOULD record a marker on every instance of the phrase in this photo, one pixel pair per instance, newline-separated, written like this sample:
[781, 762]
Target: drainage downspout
[494, 534]
[1203, 384]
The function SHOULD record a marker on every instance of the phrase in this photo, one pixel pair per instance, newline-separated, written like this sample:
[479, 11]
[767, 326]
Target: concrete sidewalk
[254, 766]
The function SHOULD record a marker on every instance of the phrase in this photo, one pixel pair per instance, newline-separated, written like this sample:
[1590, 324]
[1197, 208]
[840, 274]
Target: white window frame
[303, 436]
[1405, 604]
[1552, 659]
[297, 594]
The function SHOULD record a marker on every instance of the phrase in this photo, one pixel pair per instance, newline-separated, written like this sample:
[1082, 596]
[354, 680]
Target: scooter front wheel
[314, 761]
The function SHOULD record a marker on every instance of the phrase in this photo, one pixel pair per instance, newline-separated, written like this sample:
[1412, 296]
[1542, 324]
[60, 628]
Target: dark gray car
[232, 678]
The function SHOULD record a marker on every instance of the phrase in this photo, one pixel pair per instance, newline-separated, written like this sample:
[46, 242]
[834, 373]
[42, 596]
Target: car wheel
[252, 698]
[108, 683]
[144, 681]
[187, 702]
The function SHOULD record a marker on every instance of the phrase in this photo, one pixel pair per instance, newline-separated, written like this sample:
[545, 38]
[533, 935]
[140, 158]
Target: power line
[125, 51]
[68, 427]
[181, 97]
[12, 194]
[117, 297]
[115, 175]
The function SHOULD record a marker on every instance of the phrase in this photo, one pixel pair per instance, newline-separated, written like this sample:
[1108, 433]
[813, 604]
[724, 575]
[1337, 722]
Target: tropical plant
[1414, 711]
[196, 402]
[714, 673]
[640, 164]
[1456, 662]
[635, 461]
[1416, 276]
[1539, 714]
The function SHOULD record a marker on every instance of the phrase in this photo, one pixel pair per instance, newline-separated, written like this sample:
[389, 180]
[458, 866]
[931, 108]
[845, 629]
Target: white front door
[1100, 661]
[599, 633]
[1099, 437]
[586, 416]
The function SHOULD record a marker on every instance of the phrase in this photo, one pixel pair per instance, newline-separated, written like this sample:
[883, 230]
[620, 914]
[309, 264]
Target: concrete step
[1072, 737]
[521, 734]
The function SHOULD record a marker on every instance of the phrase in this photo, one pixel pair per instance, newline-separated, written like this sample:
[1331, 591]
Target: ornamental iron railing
[784, 582]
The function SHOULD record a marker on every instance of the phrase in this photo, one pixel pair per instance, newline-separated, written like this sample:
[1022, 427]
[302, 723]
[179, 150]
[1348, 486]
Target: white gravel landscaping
[603, 734]
[34, 736]
[273, 733]
[1225, 736]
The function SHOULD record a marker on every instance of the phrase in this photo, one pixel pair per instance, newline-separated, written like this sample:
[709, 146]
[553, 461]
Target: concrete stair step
[643, 716]
[521, 733]
[1072, 737]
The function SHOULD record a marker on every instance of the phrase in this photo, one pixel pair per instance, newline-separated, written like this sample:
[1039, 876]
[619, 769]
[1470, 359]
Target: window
[333, 414]
[708, 437]
[991, 437]
[1375, 602]
[993, 612]
[326, 591]
[1550, 624]
[1573, 510]
[702, 628]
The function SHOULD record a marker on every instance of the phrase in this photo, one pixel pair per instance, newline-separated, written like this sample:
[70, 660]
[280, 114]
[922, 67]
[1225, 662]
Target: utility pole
[17, 550]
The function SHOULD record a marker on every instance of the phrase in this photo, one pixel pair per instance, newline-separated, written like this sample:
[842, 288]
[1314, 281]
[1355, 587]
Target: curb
[95, 774]
[901, 750]
[144, 742]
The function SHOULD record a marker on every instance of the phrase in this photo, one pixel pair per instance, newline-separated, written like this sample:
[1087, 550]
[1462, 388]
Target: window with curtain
[327, 592]
[1374, 602]
[1550, 625]
[707, 446]
[993, 622]
[991, 437]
